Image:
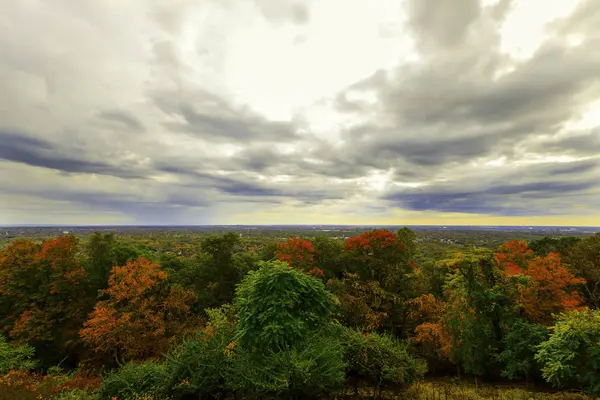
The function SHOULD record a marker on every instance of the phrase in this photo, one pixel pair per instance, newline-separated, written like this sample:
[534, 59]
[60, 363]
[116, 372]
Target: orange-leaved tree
[432, 337]
[42, 299]
[141, 314]
[550, 287]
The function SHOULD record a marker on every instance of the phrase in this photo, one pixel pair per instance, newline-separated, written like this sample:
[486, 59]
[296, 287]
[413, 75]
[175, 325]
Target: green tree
[520, 346]
[571, 356]
[583, 260]
[278, 306]
[101, 258]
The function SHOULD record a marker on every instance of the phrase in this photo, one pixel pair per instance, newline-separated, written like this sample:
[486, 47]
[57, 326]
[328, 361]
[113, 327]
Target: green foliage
[328, 255]
[571, 356]
[408, 237]
[381, 359]
[547, 245]
[520, 346]
[78, 394]
[15, 357]
[148, 378]
[278, 306]
[122, 252]
[99, 249]
[584, 261]
[479, 302]
[311, 367]
[200, 364]
[218, 273]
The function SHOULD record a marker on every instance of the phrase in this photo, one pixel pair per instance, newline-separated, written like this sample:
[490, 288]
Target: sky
[389, 112]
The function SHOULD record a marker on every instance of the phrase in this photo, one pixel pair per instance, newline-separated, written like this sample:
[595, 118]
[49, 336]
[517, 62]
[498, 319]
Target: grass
[424, 390]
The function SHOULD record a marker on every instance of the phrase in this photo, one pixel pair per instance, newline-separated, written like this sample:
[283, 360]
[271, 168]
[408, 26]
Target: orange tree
[548, 288]
[42, 296]
[140, 316]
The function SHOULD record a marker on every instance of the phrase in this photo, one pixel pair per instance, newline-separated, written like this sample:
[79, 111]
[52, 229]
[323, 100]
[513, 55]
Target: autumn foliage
[141, 313]
[299, 253]
[42, 295]
[479, 311]
[380, 256]
[551, 288]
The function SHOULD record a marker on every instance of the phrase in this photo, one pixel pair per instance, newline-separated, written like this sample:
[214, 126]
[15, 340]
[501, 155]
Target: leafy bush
[310, 368]
[148, 378]
[15, 357]
[380, 359]
[200, 365]
[278, 306]
[520, 343]
[571, 356]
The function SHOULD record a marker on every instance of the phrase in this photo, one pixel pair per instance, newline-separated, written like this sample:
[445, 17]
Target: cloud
[126, 119]
[39, 153]
[165, 112]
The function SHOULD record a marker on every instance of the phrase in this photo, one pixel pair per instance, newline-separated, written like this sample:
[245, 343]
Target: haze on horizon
[414, 112]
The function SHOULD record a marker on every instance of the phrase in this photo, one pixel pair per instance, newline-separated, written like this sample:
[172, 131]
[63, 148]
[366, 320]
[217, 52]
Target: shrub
[148, 378]
[571, 356]
[311, 368]
[380, 359]
[200, 365]
[15, 357]
[520, 343]
[278, 306]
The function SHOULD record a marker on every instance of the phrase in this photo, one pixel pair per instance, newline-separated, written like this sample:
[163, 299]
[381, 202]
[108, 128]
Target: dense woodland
[380, 313]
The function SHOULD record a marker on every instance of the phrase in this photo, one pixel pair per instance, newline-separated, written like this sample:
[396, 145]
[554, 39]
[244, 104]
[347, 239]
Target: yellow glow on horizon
[400, 217]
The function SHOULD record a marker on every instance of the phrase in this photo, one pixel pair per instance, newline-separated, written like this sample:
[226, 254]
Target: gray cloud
[146, 91]
[509, 200]
[40, 153]
[126, 119]
[207, 115]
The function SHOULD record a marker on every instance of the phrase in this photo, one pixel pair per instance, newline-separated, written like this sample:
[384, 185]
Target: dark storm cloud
[18, 148]
[499, 200]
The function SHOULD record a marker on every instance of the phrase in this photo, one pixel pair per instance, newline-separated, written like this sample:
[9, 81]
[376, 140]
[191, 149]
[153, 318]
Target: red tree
[299, 253]
[379, 255]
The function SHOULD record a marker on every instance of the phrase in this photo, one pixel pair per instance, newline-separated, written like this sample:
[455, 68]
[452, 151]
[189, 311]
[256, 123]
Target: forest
[379, 314]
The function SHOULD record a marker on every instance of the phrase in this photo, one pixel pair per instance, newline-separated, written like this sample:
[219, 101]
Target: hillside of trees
[380, 314]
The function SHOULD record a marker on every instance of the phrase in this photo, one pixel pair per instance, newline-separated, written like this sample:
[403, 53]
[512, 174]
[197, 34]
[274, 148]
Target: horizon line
[290, 225]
